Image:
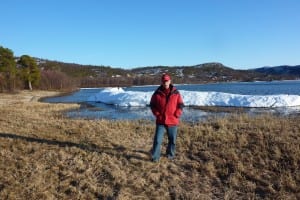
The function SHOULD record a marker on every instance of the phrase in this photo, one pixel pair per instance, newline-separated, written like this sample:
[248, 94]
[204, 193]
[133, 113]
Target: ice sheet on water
[119, 97]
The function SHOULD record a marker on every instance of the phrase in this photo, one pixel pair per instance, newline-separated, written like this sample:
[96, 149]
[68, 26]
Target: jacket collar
[161, 89]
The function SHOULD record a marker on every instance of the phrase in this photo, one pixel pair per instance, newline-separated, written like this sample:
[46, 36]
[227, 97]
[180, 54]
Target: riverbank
[24, 96]
[44, 155]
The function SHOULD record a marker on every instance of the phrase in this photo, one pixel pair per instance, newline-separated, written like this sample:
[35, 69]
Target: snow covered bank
[119, 97]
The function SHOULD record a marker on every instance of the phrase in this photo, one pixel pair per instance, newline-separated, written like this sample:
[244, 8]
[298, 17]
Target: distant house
[116, 76]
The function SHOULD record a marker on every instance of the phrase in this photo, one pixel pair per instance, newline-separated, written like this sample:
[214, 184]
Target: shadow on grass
[116, 150]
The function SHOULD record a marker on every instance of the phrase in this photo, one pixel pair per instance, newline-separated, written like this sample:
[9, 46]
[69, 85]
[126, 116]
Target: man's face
[166, 84]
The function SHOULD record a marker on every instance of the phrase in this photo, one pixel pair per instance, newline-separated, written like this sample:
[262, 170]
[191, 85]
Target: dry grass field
[44, 155]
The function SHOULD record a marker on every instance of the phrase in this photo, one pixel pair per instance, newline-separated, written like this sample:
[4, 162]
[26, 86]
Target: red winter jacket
[167, 109]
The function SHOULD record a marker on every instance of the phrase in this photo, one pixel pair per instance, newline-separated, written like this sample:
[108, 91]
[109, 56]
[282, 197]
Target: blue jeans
[158, 138]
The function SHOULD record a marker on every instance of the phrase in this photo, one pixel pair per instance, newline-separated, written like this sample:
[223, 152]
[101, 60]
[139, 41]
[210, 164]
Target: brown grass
[43, 155]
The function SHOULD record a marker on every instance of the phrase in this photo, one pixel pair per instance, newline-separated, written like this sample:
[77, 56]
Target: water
[100, 110]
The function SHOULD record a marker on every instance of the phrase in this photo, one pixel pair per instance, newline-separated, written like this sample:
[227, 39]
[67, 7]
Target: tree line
[17, 73]
[26, 72]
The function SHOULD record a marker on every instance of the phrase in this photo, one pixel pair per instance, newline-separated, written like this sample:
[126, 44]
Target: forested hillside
[27, 72]
[98, 76]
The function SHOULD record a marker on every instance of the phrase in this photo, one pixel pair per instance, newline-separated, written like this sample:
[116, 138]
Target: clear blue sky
[242, 34]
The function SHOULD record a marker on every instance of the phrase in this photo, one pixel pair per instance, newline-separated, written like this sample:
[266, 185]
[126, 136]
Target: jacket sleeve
[153, 105]
[179, 107]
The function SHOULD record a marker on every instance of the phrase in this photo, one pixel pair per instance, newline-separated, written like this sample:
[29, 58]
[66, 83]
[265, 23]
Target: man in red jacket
[166, 105]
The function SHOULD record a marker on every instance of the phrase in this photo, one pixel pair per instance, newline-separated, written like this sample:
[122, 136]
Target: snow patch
[119, 97]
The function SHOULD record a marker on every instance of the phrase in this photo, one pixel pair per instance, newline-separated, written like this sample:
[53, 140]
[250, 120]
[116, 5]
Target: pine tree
[7, 69]
[29, 71]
